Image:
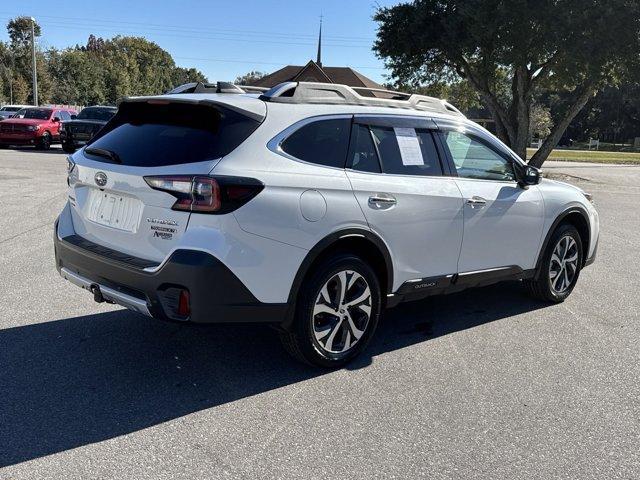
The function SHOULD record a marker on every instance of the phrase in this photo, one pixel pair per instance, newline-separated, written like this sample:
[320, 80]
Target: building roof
[313, 72]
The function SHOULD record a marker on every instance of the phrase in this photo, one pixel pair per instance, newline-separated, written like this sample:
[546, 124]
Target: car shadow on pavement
[73, 382]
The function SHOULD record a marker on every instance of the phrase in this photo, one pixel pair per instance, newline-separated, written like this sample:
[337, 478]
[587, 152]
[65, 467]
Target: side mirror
[73, 117]
[529, 176]
[56, 119]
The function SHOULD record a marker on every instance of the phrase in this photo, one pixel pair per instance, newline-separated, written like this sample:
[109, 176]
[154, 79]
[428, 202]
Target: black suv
[81, 129]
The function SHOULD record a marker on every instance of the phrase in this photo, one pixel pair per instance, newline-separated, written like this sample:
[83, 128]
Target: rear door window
[155, 135]
[406, 151]
[323, 142]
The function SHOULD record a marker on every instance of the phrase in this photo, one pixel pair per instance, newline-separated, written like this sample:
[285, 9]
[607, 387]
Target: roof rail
[336, 94]
[218, 87]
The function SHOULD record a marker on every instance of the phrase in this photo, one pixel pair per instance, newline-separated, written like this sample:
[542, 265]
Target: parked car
[35, 126]
[8, 111]
[312, 208]
[78, 131]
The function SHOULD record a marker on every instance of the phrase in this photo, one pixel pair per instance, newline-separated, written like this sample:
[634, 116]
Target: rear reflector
[205, 194]
[184, 307]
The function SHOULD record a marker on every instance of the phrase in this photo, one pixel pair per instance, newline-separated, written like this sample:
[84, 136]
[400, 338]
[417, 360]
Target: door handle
[381, 201]
[476, 202]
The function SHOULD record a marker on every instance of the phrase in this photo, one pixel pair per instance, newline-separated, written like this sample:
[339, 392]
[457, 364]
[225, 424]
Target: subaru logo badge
[100, 179]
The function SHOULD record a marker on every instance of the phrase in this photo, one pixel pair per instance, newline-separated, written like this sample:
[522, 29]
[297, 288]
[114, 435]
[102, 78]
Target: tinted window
[473, 159]
[405, 151]
[35, 113]
[95, 113]
[363, 155]
[324, 142]
[153, 135]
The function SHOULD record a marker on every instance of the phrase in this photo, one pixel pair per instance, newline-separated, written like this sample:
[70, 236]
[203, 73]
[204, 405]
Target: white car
[311, 207]
[8, 111]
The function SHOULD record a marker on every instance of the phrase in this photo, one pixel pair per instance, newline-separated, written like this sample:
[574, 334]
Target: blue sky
[223, 39]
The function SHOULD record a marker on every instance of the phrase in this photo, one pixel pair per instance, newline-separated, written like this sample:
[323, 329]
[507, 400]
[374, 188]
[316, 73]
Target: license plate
[113, 210]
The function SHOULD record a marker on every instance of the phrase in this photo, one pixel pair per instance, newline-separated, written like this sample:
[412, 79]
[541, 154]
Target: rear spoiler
[246, 106]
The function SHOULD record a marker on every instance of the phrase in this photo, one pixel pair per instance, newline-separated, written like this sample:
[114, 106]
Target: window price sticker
[409, 146]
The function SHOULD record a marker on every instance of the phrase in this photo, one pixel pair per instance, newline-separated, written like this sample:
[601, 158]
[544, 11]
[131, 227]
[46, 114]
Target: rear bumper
[216, 294]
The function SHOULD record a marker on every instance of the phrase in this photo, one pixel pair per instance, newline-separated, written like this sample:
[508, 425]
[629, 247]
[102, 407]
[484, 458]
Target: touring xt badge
[163, 232]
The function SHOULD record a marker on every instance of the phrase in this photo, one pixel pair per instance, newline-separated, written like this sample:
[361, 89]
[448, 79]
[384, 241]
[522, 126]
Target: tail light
[72, 172]
[205, 194]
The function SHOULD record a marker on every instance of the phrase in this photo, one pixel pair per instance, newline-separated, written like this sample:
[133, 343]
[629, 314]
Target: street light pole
[33, 61]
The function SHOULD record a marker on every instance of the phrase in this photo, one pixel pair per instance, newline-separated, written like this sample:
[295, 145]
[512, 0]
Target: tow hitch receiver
[106, 294]
[97, 294]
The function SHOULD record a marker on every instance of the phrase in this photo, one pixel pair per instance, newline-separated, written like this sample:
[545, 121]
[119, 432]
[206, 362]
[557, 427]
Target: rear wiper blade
[103, 152]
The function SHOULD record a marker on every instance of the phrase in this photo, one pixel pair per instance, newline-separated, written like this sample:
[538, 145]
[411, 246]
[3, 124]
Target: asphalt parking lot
[481, 384]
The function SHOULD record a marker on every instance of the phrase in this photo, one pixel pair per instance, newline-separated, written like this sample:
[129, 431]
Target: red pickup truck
[35, 126]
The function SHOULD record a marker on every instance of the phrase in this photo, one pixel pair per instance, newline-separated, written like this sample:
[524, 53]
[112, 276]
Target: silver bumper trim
[122, 299]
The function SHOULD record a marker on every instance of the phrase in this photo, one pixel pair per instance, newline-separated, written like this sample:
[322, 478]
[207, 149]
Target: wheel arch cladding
[581, 222]
[361, 243]
[576, 217]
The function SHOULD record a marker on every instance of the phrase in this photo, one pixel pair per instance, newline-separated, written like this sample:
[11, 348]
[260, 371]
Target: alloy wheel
[342, 312]
[564, 264]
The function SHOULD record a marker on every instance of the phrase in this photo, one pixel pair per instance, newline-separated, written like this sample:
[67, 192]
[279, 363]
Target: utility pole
[33, 61]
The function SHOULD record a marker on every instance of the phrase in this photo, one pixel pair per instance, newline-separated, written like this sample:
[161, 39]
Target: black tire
[300, 339]
[542, 286]
[44, 142]
[68, 147]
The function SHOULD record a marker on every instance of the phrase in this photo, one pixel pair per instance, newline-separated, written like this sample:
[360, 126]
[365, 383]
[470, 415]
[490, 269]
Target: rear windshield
[94, 113]
[152, 135]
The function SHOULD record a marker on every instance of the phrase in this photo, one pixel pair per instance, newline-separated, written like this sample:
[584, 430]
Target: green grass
[593, 156]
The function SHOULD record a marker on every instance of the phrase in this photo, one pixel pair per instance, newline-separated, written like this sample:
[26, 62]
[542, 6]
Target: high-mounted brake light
[205, 194]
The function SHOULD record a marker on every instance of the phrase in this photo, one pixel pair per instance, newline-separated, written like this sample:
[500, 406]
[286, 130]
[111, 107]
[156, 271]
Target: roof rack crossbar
[217, 87]
[336, 94]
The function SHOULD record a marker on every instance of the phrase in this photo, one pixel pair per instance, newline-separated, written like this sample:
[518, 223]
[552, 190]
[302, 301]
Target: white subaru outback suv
[311, 207]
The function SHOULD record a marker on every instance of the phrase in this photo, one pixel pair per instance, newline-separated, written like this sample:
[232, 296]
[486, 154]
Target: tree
[541, 122]
[183, 75]
[460, 94]
[19, 51]
[508, 49]
[6, 72]
[101, 71]
[19, 30]
[613, 115]
[249, 78]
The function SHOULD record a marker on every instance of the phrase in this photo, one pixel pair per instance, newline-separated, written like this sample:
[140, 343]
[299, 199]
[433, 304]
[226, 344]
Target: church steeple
[319, 59]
